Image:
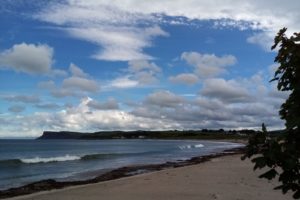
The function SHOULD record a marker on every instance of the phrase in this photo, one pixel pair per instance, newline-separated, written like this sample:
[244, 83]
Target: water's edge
[51, 184]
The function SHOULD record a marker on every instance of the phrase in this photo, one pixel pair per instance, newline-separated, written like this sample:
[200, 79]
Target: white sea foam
[198, 145]
[191, 146]
[51, 159]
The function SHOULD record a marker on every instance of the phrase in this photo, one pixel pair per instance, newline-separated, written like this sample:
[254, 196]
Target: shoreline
[127, 171]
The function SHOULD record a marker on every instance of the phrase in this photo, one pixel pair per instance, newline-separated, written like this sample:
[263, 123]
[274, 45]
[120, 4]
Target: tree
[281, 154]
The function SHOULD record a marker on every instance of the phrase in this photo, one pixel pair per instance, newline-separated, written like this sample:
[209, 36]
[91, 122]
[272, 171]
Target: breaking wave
[191, 146]
[51, 159]
[64, 158]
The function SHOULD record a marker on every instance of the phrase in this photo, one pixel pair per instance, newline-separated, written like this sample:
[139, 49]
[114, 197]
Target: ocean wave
[37, 160]
[10, 161]
[51, 159]
[189, 146]
[101, 156]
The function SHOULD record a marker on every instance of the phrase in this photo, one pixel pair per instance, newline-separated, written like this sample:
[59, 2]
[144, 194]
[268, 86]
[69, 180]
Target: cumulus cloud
[76, 71]
[58, 72]
[59, 92]
[185, 78]
[28, 58]
[163, 98]
[139, 73]
[22, 98]
[256, 109]
[16, 108]
[141, 65]
[208, 65]
[34, 59]
[143, 71]
[47, 106]
[209, 104]
[46, 85]
[79, 81]
[220, 104]
[235, 107]
[122, 83]
[110, 104]
[78, 84]
[227, 91]
[161, 110]
[263, 39]
[80, 118]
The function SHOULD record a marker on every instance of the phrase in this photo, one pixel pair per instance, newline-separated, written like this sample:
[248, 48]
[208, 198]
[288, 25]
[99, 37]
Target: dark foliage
[281, 154]
[170, 134]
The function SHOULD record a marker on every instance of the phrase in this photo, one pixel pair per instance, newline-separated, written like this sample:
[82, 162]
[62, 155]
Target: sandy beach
[226, 178]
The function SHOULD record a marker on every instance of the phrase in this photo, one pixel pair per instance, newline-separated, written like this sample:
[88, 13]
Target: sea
[26, 161]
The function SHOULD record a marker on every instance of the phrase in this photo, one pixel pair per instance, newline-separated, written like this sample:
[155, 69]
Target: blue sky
[139, 65]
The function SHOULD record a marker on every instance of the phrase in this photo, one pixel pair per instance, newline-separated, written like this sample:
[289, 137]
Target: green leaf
[282, 151]
[297, 195]
[269, 174]
[260, 162]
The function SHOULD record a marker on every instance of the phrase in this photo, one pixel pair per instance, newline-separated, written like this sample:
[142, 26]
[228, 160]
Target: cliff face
[60, 135]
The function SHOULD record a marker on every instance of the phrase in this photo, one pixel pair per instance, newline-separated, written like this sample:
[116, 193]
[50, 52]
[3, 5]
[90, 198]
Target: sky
[92, 65]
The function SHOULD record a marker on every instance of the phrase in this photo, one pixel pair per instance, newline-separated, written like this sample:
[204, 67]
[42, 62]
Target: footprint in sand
[214, 196]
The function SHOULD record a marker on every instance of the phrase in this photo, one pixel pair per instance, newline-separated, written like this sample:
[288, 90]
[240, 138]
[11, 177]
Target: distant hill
[170, 134]
[61, 135]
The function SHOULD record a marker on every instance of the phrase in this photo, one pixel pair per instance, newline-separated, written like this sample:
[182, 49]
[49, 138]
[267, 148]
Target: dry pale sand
[226, 178]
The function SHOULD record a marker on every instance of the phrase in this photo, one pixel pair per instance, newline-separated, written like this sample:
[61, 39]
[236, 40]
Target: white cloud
[255, 14]
[227, 91]
[79, 80]
[208, 65]
[272, 69]
[80, 118]
[82, 84]
[78, 84]
[63, 92]
[264, 14]
[185, 78]
[220, 104]
[76, 71]
[139, 73]
[143, 71]
[47, 106]
[263, 39]
[110, 104]
[163, 98]
[91, 12]
[210, 104]
[122, 83]
[16, 108]
[141, 65]
[256, 109]
[28, 58]
[114, 31]
[58, 72]
[145, 78]
[46, 85]
[98, 17]
[22, 98]
[118, 43]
